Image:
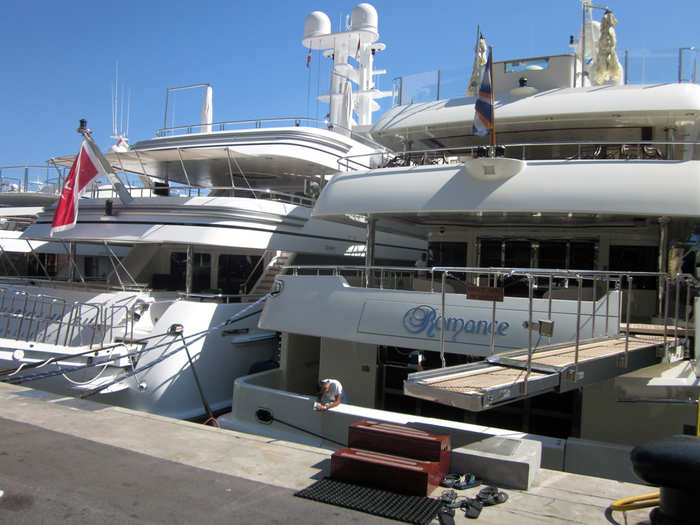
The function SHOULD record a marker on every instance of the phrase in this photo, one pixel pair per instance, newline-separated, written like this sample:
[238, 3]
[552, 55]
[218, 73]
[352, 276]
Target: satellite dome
[317, 24]
[364, 18]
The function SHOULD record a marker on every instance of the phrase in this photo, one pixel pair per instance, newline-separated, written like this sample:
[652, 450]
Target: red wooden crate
[385, 471]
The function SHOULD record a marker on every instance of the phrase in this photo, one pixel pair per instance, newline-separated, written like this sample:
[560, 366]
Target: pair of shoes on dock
[472, 507]
[460, 481]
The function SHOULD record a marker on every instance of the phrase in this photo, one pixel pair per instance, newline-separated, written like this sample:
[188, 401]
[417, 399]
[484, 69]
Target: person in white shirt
[331, 394]
[416, 360]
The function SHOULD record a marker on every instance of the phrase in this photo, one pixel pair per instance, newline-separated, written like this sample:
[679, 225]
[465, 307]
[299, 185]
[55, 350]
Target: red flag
[357, 53]
[308, 58]
[84, 169]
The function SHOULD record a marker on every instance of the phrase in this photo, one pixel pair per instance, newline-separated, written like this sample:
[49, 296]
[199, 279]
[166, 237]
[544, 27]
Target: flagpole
[493, 112]
[119, 188]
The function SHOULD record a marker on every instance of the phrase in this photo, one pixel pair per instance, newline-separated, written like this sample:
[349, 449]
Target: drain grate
[410, 509]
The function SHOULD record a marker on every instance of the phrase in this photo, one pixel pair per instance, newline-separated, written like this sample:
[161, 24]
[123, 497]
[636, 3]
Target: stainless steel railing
[245, 124]
[32, 178]
[195, 191]
[554, 150]
[53, 320]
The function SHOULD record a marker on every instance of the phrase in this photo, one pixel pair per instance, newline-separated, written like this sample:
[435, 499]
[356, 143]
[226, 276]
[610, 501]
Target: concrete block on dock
[505, 462]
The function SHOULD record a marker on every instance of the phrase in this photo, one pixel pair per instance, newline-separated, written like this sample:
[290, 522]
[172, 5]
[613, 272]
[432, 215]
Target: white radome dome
[364, 18]
[317, 24]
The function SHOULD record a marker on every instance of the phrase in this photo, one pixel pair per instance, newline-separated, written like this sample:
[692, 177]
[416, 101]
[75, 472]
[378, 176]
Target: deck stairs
[511, 376]
[275, 261]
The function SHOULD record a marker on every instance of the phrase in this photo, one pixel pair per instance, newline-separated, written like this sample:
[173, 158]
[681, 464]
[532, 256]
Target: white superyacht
[570, 236]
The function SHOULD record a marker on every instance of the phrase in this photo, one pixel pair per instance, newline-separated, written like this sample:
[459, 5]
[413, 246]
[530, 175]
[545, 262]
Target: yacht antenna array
[119, 131]
[359, 41]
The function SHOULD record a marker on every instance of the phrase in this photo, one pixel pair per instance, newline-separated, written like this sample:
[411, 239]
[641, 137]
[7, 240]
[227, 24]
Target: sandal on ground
[472, 508]
[467, 481]
[449, 481]
[491, 496]
[460, 482]
[446, 516]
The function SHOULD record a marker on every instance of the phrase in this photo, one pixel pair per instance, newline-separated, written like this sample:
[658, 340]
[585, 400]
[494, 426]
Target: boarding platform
[511, 376]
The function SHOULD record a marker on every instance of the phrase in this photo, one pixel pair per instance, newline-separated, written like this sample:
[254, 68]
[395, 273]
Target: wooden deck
[479, 380]
[566, 356]
[501, 378]
[656, 329]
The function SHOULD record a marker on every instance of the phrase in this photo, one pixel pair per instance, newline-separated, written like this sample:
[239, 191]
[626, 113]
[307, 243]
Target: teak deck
[501, 378]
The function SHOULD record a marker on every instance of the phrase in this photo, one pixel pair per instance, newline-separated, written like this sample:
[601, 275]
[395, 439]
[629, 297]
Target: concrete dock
[64, 460]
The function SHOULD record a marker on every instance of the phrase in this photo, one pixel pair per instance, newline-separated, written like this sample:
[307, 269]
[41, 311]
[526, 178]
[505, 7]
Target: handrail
[266, 258]
[268, 193]
[84, 322]
[258, 123]
[50, 185]
[55, 283]
[220, 297]
[645, 150]
[640, 66]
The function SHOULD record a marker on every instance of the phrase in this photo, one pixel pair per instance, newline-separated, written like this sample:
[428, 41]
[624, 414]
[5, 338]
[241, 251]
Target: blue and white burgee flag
[483, 109]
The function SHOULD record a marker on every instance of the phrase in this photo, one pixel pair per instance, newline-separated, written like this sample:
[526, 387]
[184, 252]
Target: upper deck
[542, 99]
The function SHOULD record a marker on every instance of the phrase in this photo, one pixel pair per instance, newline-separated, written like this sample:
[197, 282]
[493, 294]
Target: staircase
[392, 457]
[274, 262]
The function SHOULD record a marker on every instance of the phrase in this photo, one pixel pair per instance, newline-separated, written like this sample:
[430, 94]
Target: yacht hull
[176, 372]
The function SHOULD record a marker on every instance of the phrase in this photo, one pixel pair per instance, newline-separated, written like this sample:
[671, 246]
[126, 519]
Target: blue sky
[58, 62]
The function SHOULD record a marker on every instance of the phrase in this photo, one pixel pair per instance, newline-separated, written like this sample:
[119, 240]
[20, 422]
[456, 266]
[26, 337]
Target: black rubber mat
[410, 509]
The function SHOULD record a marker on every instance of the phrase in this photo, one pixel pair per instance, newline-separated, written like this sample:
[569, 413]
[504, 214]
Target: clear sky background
[58, 58]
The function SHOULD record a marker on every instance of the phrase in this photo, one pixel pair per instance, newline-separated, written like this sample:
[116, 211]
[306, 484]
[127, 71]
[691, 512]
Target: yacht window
[235, 273]
[535, 64]
[518, 254]
[490, 253]
[582, 256]
[555, 254]
[176, 279]
[49, 260]
[201, 272]
[636, 258]
[447, 254]
[552, 254]
[178, 271]
[97, 268]
[14, 264]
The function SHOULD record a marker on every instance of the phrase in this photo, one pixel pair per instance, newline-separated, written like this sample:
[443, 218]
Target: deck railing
[232, 125]
[183, 190]
[46, 178]
[555, 150]
[639, 67]
[53, 320]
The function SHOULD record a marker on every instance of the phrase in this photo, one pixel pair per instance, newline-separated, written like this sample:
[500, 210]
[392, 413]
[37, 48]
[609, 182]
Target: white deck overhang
[425, 194]
[213, 159]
